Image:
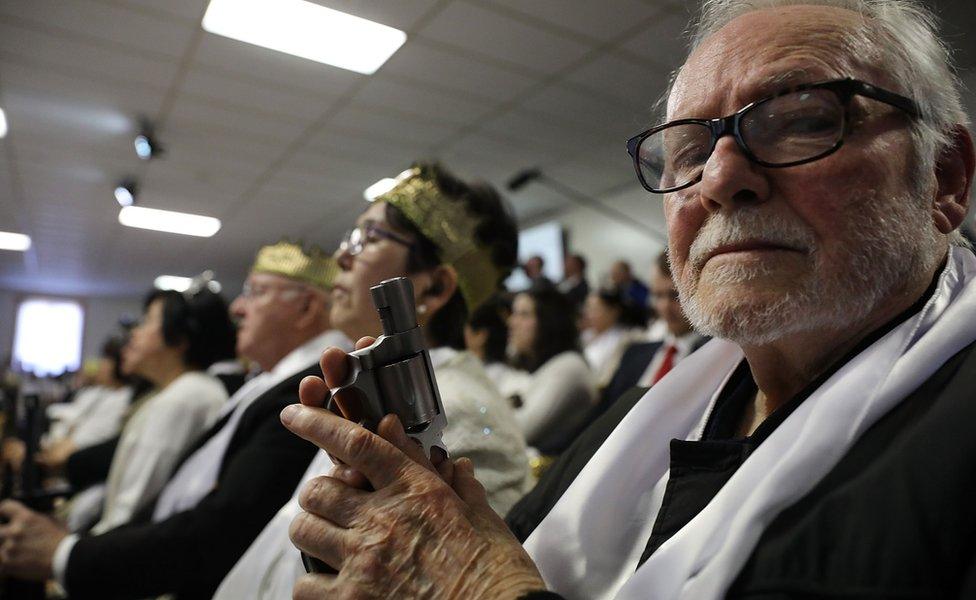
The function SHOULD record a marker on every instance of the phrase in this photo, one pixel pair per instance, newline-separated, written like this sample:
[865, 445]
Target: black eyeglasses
[795, 126]
[357, 239]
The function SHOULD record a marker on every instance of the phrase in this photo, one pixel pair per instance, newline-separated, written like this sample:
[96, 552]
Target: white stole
[589, 544]
[198, 475]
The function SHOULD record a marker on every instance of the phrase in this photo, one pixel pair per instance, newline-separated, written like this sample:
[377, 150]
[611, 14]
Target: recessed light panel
[168, 221]
[307, 30]
[17, 242]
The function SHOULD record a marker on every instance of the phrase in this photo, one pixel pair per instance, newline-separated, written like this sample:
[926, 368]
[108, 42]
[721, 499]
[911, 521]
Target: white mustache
[748, 225]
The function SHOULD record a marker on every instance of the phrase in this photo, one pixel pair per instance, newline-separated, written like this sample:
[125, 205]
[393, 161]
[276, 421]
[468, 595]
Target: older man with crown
[237, 475]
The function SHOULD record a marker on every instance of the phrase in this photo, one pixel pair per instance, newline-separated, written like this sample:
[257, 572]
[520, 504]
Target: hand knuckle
[315, 493]
[302, 529]
[359, 442]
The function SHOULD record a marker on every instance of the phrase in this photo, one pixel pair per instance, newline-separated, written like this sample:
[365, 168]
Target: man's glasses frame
[365, 232]
[845, 89]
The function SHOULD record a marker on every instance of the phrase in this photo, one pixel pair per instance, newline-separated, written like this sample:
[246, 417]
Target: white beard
[892, 243]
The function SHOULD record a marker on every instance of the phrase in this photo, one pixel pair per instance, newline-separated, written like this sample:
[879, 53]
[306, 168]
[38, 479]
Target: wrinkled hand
[423, 530]
[27, 542]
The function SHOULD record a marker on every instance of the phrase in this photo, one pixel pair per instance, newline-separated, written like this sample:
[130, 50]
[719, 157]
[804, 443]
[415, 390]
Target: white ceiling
[280, 146]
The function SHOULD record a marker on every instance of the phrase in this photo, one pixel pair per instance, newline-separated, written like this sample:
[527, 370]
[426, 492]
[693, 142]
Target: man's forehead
[259, 278]
[761, 52]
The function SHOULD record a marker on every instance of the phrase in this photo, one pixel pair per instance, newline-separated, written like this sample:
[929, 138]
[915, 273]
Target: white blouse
[556, 399]
[155, 437]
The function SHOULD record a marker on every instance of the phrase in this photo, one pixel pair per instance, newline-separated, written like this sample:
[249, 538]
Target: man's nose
[730, 179]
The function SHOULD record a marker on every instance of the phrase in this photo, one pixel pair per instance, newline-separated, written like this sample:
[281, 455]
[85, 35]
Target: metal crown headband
[290, 260]
[451, 228]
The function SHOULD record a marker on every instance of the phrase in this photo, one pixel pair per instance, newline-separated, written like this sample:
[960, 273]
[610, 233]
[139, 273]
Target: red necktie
[669, 351]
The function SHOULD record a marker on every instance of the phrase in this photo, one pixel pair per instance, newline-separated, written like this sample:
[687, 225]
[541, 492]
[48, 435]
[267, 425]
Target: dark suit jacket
[893, 518]
[189, 553]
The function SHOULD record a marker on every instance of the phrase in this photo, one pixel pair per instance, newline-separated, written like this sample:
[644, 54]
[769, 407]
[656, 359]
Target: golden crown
[451, 228]
[290, 259]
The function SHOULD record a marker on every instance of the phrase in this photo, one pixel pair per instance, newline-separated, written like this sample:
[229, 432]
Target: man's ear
[437, 286]
[954, 175]
[310, 309]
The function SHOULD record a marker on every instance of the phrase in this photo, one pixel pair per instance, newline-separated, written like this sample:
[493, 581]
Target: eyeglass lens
[783, 130]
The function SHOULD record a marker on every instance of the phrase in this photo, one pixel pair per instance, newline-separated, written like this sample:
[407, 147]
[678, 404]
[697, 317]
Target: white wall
[604, 240]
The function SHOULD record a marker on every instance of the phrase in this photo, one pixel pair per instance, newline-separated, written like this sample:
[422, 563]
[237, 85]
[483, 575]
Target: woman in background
[95, 414]
[552, 404]
[613, 322]
[415, 231]
[486, 336]
[177, 339]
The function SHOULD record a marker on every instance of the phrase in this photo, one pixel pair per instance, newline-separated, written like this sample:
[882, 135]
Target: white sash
[589, 545]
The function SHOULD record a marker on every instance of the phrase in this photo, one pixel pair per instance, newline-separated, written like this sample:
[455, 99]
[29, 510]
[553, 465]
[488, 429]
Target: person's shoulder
[195, 387]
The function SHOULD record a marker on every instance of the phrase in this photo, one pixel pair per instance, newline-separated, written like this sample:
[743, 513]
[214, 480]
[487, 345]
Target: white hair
[899, 35]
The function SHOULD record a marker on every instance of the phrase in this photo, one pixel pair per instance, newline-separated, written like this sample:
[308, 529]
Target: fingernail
[289, 413]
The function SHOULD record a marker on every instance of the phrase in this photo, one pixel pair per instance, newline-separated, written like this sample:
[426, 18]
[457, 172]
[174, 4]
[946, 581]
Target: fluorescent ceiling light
[14, 241]
[307, 30]
[168, 221]
[379, 188]
[3, 123]
[173, 282]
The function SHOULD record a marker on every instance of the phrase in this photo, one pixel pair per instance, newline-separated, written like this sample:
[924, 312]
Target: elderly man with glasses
[235, 478]
[815, 166]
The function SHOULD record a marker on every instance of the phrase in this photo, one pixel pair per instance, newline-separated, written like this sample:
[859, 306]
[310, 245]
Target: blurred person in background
[553, 401]
[234, 478]
[613, 323]
[178, 338]
[534, 269]
[486, 336]
[574, 284]
[622, 277]
[456, 242]
[96, 412]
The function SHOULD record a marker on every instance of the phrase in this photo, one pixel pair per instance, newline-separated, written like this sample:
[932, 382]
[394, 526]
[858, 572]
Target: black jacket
[190, 553]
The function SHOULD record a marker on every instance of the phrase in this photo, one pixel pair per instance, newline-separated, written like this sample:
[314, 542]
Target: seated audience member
[622, 277]
[486, 336]
[643, 364]
[533, 269]
[178, 338]
[551, 404]
[456, 242]
[822, 446]
[613, 322]
[96, 412]
[235, 477]
[574, 284]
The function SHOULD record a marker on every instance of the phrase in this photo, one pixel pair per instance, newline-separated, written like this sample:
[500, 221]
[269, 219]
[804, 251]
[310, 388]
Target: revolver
[393, 375]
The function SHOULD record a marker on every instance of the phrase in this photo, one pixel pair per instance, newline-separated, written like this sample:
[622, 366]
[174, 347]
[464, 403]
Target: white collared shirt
[684, 344]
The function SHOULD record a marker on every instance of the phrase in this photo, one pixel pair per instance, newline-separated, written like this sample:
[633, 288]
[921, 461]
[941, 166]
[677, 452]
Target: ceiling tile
[486, 32]
[107, 22]
[661, 42]
[191, 10]
[40, 49]
[292, 72]
[391, 126]
[217, 86]
[604, 20]
[442, 68]
[402, 14]
[434, 105]
[633, 83]
[190, 112]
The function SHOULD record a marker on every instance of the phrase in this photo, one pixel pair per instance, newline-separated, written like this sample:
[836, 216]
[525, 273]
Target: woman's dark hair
[491, 316]
[112, 350]
[201, 320]
[496, 232]
[556, 330]
[631, 313]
